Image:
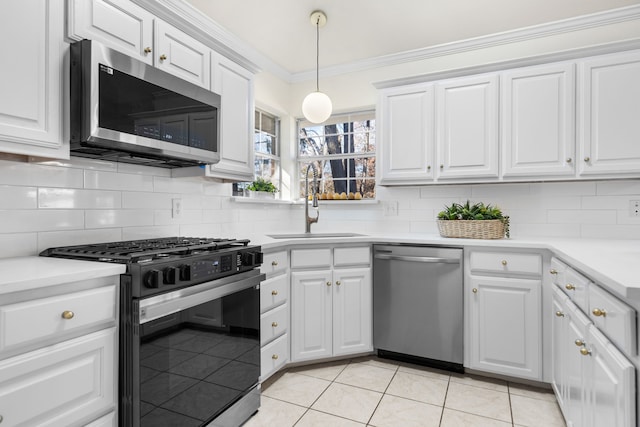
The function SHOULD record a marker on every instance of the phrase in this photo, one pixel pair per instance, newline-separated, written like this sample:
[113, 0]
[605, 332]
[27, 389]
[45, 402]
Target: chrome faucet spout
[314, 191]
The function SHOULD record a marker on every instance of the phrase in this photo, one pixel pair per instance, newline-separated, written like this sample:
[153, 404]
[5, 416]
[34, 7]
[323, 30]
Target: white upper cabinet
[31, 104]
[182, 55]
[609, 114]
[119, 24]
[537, 121]
[406, 126]
[467, 127]
[235, 86]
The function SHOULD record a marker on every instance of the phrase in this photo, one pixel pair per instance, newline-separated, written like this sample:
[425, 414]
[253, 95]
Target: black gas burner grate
[139, 250]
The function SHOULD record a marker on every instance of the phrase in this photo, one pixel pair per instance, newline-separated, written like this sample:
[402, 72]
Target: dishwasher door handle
[432, 260]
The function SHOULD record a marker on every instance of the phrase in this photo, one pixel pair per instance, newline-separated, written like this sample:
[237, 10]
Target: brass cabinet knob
[274, 357]
[338, 282]
[429, 167]
[599, 312]
[568, 159]
[474, 290]
[274, 263]
[163, 57]
[67, 314]
[274, 324]
[328, 283]
[585, 351]
[579, 342]
[147, 49]
[553, 271]
[441, 166]
[587, 159]
[504, 262]
[274, 292]
[570, 287]
[559, 314]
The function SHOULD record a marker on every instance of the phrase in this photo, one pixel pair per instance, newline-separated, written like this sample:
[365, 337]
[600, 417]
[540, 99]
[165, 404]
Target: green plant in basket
[261, 184]
[478, 211]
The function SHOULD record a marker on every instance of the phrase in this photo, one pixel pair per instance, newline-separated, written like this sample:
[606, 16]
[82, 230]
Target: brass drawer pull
[274, 357]
[585, 351]
[579, 342]
[553, 271]
[504, 262]
[599, 312]
[559, 314]
[274, 324]
[163, 57]
[274, 263]
[570, 287]
[67, 314]
[147, 50]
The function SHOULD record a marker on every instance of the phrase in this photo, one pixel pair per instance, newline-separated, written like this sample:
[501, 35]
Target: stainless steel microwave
[125, 110]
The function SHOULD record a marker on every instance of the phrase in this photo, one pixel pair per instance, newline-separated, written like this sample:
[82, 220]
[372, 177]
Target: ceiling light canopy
[317, 106]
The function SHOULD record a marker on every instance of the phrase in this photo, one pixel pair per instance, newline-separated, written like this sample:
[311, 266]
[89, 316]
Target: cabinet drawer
[557, 271]
[274, 292]
[273, 356]
[303, 258]
[61, 384]
[503, 262]
[28, 322]
[343, 257]
[274, 263]
[614, 318]
[575, 285]
[274, 323]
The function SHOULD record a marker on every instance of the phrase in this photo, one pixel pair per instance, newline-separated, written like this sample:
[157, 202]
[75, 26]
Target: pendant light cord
[318, 54]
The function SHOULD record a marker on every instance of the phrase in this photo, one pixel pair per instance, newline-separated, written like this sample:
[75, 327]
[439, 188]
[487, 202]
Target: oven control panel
[160, 276]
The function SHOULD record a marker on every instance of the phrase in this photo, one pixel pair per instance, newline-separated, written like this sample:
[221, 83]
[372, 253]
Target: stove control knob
[185, 272]
[153, 278]
[171, 275]
[251, 259]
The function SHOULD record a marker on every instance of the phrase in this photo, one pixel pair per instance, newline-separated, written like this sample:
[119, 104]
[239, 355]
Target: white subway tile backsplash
[133, 233]
[461, 192]
[82, 163]
[217, 189]
[109, 218]
[620, 187]
[33, 174]
[18, 244]
[21, 221]
[164, 217]
[551, 189]
[101, 180]
[163, 184]
[541, 230]
[73, 198]
[50, 239]
[582, 216]
[147, 200]
[18, 197]
[201, 230]
[610, 231]
[607, 202]
[485, 192]
[147, 170]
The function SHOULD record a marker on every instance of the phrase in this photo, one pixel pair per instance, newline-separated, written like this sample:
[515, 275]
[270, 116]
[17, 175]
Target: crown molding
[198, 25]
[569, 25]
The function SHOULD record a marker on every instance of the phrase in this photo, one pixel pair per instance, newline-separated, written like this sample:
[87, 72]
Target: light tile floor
[370, 391]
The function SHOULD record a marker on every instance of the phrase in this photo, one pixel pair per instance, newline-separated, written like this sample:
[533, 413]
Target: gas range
[162, 265]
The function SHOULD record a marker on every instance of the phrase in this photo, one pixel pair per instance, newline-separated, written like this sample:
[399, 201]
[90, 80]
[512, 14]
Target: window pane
[263, 143]
[269, 124]
[268, 169]
[340, 138]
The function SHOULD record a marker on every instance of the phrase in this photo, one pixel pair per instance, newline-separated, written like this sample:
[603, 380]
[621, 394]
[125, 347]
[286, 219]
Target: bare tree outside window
[343, 150]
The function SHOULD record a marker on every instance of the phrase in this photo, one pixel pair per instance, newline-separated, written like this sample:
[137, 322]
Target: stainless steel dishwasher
[418, 304]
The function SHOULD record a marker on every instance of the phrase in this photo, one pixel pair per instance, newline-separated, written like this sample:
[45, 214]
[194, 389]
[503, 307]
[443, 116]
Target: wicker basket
[472, 229]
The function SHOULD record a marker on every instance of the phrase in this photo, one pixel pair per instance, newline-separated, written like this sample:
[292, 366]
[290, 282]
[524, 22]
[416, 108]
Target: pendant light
[317, 106]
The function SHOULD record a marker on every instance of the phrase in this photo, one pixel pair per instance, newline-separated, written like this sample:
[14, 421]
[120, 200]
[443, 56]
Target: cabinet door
[573, 364]
[119, 24]
[611, 384]
[558, 338]
[181, 55]
[505, 323]
[609, 107]
[352, 311]
[235, 86]
[467, 127]
[538, 121]
[311, 306]
[406, 126]
[31, 104]
[65, 384]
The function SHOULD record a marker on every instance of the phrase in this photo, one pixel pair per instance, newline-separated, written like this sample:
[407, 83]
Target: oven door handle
[173, 302]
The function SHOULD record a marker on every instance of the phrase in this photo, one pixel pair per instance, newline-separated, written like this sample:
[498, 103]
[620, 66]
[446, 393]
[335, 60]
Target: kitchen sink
[312, 235]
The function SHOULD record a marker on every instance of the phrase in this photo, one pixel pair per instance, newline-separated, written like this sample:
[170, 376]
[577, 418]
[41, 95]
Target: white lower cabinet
[64, 384]
[505, 323]
[331, 312]
[593, 381]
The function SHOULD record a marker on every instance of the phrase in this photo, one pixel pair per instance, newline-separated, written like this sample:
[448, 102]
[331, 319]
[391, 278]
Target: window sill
[341, 202]
[240, 199]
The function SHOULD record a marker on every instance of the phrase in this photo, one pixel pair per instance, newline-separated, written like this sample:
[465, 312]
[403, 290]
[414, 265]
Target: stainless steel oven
[196, 354]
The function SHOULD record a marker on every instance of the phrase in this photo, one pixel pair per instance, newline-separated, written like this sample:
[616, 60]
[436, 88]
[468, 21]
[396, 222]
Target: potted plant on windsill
[477, 221]
[261, 189]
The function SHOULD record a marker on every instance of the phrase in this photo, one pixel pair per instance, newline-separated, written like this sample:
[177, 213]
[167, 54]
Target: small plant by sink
[261, 188]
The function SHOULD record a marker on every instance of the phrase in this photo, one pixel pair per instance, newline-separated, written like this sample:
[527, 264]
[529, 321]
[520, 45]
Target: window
[344, 152]
[266, 146]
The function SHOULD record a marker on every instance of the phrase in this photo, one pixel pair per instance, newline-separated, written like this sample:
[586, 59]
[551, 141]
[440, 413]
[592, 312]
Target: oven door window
[196, 363]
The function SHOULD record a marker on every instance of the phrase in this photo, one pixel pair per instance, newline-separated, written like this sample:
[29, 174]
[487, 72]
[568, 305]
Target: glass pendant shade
[317, 107]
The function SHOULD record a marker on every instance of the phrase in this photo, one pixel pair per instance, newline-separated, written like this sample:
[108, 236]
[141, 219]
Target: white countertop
[25, 273]
[614, 264]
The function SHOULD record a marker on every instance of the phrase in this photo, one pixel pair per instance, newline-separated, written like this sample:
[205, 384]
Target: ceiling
[359, 30]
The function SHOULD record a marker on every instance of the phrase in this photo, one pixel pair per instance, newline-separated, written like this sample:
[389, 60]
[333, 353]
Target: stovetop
[134, 251]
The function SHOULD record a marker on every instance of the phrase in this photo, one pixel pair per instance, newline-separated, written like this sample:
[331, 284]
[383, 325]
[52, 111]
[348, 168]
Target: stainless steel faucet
[314, 189]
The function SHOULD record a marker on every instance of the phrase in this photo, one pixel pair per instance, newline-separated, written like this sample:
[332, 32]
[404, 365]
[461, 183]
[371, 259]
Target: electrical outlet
[176, 208]
[390, 208]
[634, 208]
